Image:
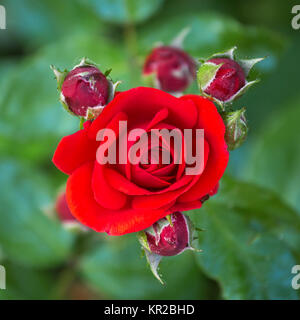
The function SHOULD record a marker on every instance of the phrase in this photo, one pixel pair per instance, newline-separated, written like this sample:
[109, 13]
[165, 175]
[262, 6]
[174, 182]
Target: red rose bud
[229, 79]
[62, 209]
[169, 236]
[64, 214]
[170, 69]
[224, 78]
[85, 90]
[236, 128]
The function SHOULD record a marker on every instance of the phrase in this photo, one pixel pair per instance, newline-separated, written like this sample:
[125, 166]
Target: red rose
[124, 198]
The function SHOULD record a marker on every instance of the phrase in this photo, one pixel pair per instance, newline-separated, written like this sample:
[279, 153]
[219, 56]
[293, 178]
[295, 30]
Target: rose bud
[64, 214]
[85, 90]
[168, 236]
[236, 128]
[171, 69]
[224, 78]
[62, 209]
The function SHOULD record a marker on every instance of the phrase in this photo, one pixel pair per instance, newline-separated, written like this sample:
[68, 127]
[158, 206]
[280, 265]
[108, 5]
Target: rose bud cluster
[119, 198]
[85, 90]
[224, 78]
[168, 236]
[170, 68]
[236, 128]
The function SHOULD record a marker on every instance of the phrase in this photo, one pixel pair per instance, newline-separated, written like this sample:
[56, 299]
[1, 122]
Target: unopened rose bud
[85, 87]
[170, 69]
[64, 214]
[236, 128]
[169, 236]
[224, 78]
[229, 79]
[85, 90]
[62, 209]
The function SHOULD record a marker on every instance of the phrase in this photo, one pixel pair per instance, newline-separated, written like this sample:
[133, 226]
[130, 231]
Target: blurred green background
[252, 236]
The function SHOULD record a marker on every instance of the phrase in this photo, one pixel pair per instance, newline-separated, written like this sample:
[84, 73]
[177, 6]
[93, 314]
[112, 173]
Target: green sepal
[242, 90]
[168, 217]
[229, 54]
[86, 62]
[81, 123]
[248, 64]
[107, 72]
[65, 106]
[206, 74]
[177, 42]
[142, 237]
[59, 75]
[153, 260]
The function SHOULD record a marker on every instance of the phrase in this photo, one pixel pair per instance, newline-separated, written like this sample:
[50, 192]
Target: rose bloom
[123, 198]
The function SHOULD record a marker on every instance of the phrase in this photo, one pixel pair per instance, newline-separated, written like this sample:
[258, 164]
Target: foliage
[252, 226]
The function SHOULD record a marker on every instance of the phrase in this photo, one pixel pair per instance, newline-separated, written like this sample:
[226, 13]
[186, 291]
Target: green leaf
[275, 157]
[124, 11]
[212, 32]
[35, 23]
[26, 284]
[117, 270]
[27, 236]
[250, 243]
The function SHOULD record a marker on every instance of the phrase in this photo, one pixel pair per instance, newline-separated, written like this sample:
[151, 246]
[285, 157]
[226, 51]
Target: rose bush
[123, 198]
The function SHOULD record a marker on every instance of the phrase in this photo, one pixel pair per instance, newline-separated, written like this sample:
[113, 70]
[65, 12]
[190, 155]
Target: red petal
[214, 130]
[105, 195]
[119, 182]
[83, 206]
[164, 197]
[185, 206]
[182, 113]
[146, 180]
[74, 150]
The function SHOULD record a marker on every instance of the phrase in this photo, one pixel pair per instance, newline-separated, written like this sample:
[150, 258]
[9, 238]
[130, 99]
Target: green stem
[68, 275]
[130, 39]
